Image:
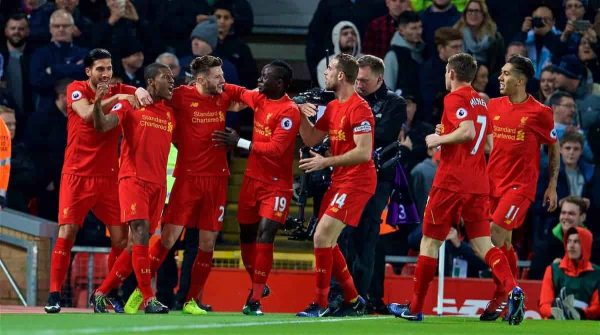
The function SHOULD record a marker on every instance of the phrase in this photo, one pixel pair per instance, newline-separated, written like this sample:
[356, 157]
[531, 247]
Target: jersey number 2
[481, 119]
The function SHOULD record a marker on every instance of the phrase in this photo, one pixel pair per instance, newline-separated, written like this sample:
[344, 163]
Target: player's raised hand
[101, 90]
[227, 138]
[433, 141]
[308, 109]
[314, 163]
[550, 198]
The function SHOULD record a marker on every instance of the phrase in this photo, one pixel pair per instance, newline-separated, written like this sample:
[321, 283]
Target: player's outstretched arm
[464, 133]
[550, 196]
[360, 154]
[311, 136]
[102, 122]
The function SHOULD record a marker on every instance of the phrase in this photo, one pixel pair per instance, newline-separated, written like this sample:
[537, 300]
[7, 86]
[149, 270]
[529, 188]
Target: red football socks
[263, 262]
[113, 255]
[156, 253]
[426, 268]
[342, 275]
[141, 267]
[200, 272]
[248, 256]
[59, 263]
[117, 275]
[323, 268]
[511, 257]
[496, 260]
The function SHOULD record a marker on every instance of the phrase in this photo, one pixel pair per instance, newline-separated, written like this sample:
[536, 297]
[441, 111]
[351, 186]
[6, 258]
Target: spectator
[509, 18]
[541, 38]
[571, 36]
[175, 19]
[204, 39]
[244, 17]
[589, 57]
[406, 51]
[441, 13]
[39, 21]
[17, 56]
[82, 30]
[571, 76]
[380, 31]
[121, 24]
[572, 214]
[412, 136]
[22, 182]
[480, 35]
[459, 250]
[47, 140]
[421, 5]
[421, 177]
[573, 276]
[514, 48]
[172, 62]
[346, 40]
[593, 190]
[131, 64]
[232, 47]
[327, 15]
[57, 60]
[448, 42]
[546, 84]
[481, 78]
[575, 173]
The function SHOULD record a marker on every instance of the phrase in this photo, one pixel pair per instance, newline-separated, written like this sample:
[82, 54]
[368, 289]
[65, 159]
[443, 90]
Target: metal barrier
[32, 254]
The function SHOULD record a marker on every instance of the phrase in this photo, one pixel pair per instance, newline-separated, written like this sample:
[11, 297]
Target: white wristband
[244, 144]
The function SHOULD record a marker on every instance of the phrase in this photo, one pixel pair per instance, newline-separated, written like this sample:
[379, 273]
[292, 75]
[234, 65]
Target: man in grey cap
[204, 39]
[572, 76]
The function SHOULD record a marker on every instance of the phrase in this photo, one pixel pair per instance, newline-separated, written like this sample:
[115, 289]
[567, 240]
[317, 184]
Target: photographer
[540, 37]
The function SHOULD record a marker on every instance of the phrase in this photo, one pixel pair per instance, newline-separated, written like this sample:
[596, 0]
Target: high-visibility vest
[4, 158]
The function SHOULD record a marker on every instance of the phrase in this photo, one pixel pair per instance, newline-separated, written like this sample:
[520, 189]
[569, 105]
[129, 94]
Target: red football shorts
[141, 200]
[198, 202]
[261, 200]
[444, 209]
[78, 195]
[344, 204]
[509, 211]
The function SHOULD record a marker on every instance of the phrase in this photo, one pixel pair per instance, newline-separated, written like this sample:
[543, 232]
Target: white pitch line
[91, 331]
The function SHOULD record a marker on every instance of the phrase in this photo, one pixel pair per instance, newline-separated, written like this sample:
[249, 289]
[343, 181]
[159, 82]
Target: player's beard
[331, 85]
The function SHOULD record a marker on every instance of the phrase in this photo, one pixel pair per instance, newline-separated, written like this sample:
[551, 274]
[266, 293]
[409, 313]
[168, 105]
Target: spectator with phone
[541, 38]
[576, 28]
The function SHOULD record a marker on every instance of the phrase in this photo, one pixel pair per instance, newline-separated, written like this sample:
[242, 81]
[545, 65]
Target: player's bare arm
[360, 154]
[102, 122]
[464, 133]
[550, 196]
[489, 143]
[310, 135]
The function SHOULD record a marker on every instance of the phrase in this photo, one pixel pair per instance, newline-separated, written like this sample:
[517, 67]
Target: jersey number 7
[481, 119]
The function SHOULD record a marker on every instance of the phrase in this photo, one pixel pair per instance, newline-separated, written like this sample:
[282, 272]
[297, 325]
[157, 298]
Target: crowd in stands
[45, 41]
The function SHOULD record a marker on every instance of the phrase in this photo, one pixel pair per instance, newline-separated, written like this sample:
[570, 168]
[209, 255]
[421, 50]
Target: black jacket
[27, 96]
[389, 111]
[237, 51]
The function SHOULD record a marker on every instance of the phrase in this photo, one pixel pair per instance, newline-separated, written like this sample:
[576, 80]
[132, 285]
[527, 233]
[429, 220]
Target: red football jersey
[462, 166]
[198, 116]
[342, 121]
[146, 142]
[276, 124]
[89, 152]
[519, 131]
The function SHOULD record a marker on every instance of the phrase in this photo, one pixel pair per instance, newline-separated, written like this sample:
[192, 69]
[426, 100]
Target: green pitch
[226, 323]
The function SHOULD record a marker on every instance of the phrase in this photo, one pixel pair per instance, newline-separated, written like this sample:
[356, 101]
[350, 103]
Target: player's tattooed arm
[550, 196]
[102, 122]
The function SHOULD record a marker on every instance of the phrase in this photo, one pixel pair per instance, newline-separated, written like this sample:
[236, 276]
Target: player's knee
[248, 233]
[321, 239]
[139, 231]
[68, 231]
[430, 247]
